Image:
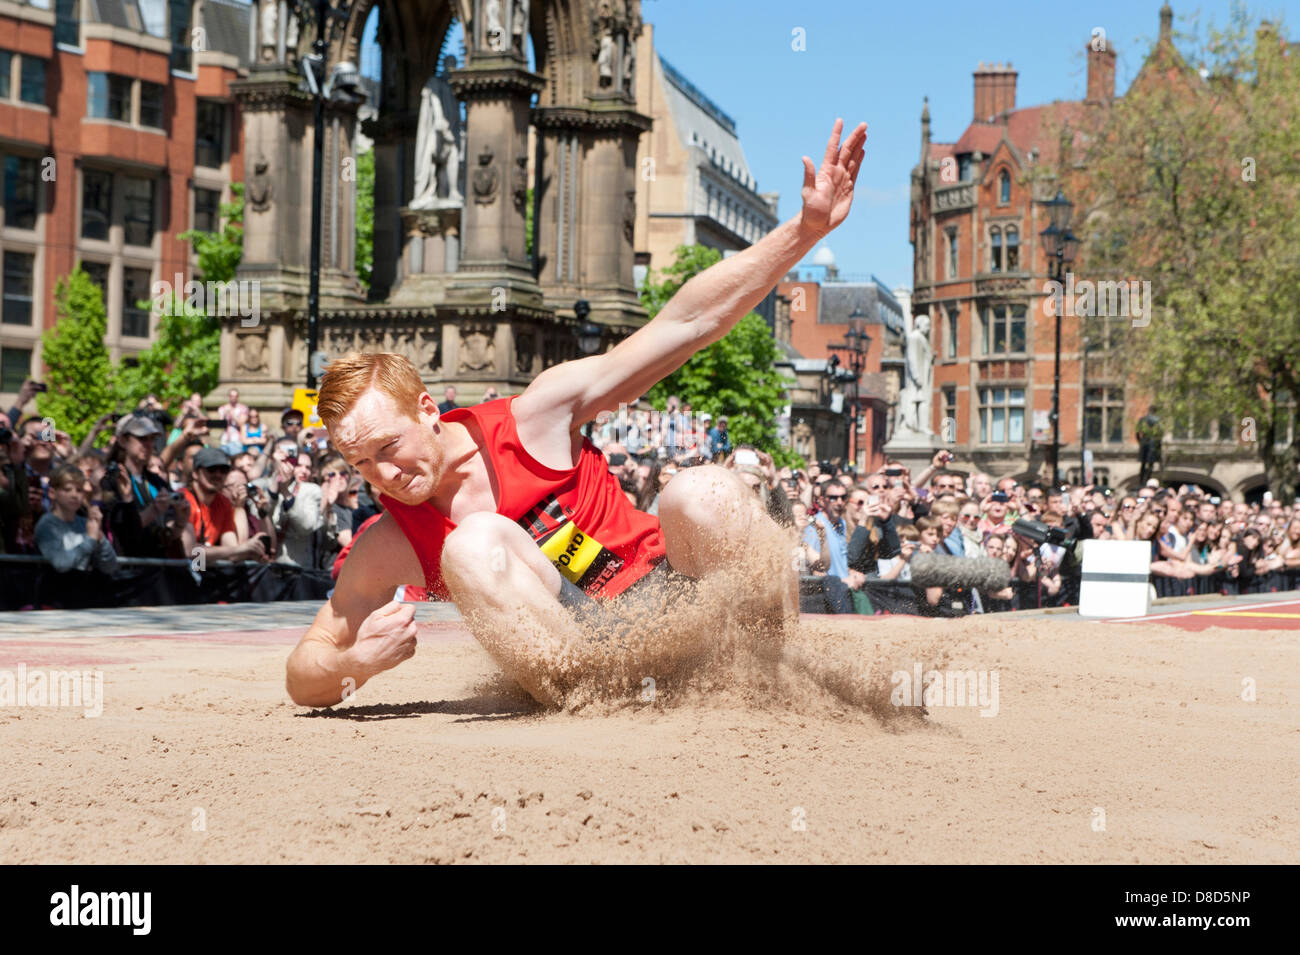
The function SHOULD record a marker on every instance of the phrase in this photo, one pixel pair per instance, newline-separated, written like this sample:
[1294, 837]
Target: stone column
[586, 210]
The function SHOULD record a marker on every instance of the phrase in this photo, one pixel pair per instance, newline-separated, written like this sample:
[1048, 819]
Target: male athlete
[507, 510]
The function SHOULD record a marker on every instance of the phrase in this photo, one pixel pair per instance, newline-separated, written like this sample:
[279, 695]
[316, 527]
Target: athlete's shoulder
[381, 549]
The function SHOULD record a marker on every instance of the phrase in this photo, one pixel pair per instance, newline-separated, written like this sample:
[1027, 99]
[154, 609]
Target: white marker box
[1116, 579]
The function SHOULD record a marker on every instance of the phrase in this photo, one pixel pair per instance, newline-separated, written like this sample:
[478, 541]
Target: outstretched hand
[828, 191]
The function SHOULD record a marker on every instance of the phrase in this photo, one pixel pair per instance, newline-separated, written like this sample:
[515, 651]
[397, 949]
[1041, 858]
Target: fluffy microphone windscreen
[945, 570]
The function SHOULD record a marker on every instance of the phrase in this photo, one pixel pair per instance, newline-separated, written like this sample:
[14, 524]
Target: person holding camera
[145, 517]
[212, 515]
[252, 511]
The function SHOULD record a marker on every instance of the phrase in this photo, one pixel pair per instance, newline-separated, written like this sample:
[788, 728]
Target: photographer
[875, 536]
[13, 492]
[145, 518]
[252, 512]
[212, 516]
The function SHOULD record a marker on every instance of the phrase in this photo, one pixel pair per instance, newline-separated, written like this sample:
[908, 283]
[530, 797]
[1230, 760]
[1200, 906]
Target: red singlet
[579, 517]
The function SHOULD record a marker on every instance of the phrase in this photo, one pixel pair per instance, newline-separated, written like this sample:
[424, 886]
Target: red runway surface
[1269, 615]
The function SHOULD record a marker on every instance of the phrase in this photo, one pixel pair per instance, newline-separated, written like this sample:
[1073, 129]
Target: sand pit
[199, 756]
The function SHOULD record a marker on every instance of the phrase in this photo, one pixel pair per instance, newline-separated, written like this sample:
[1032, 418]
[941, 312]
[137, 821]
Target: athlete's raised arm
[706, 307]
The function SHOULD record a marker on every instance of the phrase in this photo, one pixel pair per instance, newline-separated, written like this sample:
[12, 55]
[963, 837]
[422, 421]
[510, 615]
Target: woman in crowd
[74, 544]
[253, 433]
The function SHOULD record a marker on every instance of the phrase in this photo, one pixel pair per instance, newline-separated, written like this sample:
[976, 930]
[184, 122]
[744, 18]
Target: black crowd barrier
[30, 582]
[1273, 582]
[830, 595]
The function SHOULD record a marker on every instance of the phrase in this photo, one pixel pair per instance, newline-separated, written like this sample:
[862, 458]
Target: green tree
[1192, 181]
[365, 216]
[185, 354]
[80, 373]
[735, 376]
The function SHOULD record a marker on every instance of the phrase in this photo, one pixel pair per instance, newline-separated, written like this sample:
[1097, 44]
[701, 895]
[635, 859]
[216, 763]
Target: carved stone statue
[518, 24]
[437, 149]
[485, 178]
[493, 34]
[605, 59]
[260, 186]
[267, 13]
[629, 67]
[918, 380]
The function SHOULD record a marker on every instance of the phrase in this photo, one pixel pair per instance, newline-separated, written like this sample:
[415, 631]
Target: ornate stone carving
[493, 32]
[605, 60]
[629, 68]
[251, 355]
[525, 352]
[437, 148]
[954, 197]
[478, 350]
[518, 24]
[629, 214]
[485, 178]
[428, 361]
[260, 187]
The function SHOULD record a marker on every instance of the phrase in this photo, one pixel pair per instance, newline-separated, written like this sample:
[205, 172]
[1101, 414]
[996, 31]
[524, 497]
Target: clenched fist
[386, 638]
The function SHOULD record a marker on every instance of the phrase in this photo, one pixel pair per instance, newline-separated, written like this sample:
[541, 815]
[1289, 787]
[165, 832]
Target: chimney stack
[1101, 72]
[995, 90]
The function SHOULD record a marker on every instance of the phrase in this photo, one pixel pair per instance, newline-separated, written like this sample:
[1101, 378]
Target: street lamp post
[857, 342]
[1061, 246]
[343, 87]
[1088, 346]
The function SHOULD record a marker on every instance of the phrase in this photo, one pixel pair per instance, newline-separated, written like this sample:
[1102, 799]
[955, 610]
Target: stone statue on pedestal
[918, 380]
[437, 148]
[605, 59]
[518, 24]
[493, 34]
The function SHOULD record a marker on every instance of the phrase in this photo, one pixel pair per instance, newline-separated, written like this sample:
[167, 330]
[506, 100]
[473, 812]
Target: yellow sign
[304, 400]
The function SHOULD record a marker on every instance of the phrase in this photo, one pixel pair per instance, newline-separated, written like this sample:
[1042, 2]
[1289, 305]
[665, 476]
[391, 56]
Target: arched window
[995, 255]
[1004, 187]
[1013, 249]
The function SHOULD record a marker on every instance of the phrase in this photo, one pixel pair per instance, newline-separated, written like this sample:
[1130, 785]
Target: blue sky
[875, 61]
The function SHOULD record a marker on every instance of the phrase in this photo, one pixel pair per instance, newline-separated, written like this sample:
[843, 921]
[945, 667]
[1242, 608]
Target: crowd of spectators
[857, 534]
[183, 486]
[231, 487]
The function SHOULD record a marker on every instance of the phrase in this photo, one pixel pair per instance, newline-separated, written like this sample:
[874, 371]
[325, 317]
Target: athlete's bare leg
[507, 591]
[714, 524]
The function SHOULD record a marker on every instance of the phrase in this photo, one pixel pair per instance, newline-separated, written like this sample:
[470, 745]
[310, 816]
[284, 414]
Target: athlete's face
[399, 455]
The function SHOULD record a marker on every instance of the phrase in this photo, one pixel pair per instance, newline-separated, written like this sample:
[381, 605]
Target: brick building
[117, 133]
[979, 271]
[815, 311]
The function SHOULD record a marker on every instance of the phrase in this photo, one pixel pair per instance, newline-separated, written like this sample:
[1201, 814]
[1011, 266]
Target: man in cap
[212, 516]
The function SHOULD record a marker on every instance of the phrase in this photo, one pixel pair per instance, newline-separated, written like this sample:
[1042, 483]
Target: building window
[108, 96]
[6, 70]
[949, 431]
[207, 210]
[1103, 415]
[964, 168]
[15, 368]
[952, 253]
[1004, 187]
[995, 255]
[96, 203]
[137, 203]
[67, 24]
[952, 333]
[20, 192]
[98, 272]
[32, 80]
[1002, 415]
[1004, 330]
[210, 134]
[1013, 249]
[19, 269]
[151, 104]
[135, 291]
[182, 53]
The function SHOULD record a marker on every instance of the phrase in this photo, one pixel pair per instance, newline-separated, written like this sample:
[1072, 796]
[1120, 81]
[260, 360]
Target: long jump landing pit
[1116, 743]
